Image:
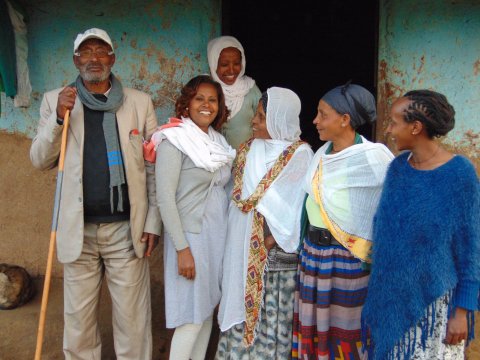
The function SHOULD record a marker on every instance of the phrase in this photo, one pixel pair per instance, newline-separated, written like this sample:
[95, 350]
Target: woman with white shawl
[260, 261]
[193, 163]
[344, 184]
[227, 62]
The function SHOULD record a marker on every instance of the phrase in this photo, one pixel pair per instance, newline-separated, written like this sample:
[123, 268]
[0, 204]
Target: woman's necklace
[415, 163]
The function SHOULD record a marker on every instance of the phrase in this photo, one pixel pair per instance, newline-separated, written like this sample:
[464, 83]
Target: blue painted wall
[433, 45]
[159, 46]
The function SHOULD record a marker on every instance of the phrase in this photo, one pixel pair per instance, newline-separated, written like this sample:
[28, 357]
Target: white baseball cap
[93, 33]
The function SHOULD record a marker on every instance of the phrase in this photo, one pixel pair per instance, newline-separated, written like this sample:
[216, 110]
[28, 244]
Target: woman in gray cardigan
[193, 165]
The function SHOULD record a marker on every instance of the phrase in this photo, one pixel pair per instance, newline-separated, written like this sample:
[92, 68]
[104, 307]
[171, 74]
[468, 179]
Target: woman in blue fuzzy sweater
[424, 285]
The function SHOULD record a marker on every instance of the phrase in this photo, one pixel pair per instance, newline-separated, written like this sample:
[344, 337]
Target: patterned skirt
[274, 337]
[329, 296]
[433, 347]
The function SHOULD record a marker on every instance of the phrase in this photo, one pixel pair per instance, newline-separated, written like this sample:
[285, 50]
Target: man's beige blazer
[136, 119]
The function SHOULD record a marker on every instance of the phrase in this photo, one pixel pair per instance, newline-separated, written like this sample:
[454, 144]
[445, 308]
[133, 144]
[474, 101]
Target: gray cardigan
[182, 190]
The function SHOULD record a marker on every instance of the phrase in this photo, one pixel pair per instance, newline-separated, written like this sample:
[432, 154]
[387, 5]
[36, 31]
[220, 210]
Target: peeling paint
[432, 45]
[159, 45]
[476, 67]
[468, 145]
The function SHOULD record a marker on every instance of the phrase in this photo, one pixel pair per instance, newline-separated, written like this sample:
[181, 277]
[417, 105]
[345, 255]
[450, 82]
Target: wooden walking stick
[53, 235]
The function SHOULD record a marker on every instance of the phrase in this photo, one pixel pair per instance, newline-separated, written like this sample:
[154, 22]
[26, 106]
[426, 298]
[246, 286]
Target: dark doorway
[307, 46]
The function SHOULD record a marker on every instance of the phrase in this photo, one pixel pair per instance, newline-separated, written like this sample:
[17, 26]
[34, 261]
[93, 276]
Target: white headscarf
[235, 93]
[283, 114]
[281, 205]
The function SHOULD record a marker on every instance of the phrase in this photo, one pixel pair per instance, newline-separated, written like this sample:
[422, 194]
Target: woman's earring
[343, 125]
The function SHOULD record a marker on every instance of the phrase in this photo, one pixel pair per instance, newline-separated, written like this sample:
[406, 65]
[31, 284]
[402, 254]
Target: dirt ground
[18, 328]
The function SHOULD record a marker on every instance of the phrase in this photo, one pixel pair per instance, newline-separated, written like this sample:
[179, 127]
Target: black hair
[432, 109]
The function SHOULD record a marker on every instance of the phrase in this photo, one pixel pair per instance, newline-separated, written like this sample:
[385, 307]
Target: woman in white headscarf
[256, 308]
[226, 59]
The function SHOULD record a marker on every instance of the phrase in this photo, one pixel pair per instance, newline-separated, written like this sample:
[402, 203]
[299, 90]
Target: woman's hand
[269, 242]
[186, 263]
[457, 327]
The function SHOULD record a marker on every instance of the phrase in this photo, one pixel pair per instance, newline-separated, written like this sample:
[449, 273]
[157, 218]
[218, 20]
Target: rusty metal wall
[159, 46]
[433, 45]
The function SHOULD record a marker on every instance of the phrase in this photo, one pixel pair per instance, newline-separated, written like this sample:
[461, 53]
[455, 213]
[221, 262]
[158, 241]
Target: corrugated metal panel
[433, 45]
[159, 46]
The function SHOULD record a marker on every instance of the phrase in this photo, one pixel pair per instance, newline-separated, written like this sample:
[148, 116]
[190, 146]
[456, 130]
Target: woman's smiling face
[259, 123]
[229, 65]
[328, 122]
[203, 108]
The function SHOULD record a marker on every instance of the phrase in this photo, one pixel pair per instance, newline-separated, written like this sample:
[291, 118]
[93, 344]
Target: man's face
[93, 61]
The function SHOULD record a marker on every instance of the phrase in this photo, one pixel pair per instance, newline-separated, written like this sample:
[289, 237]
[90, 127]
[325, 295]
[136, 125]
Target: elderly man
[108, 219]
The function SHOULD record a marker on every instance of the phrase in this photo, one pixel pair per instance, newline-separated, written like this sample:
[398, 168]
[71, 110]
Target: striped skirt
[329, 296]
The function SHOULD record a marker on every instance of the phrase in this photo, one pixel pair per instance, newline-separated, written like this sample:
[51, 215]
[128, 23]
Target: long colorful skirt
[274, 337]
[329, 296]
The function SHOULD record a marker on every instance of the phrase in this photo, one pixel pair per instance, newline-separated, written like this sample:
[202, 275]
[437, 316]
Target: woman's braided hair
[432, 109]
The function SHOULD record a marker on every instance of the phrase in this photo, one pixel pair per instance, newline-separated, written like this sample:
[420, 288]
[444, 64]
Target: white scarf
[349, 187]
[235, 93]
[207, 151]
[281, 205]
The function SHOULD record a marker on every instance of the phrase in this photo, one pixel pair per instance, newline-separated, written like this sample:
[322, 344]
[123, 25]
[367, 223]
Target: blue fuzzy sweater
[426, 244]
